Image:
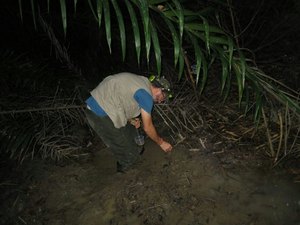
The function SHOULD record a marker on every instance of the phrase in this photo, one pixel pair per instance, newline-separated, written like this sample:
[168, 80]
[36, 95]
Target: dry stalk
[53, 108]
[268, 135]
[281, 134]
[181, 116]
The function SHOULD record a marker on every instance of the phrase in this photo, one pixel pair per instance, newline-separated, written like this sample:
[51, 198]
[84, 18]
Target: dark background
[269, 29]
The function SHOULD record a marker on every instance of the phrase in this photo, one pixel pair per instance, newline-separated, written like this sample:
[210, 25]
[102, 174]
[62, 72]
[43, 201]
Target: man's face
[159, 96]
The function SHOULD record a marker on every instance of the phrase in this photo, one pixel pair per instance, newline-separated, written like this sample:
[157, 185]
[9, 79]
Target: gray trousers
[119, 140]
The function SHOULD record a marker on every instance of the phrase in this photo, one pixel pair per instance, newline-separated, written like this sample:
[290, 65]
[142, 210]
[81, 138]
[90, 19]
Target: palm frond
[121, 27]
[64, 15]
[135, 28]
[106, 9]
[33, 13]
[37, 119]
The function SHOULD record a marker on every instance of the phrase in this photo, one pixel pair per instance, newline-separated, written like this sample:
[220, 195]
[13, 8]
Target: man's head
[160, 88]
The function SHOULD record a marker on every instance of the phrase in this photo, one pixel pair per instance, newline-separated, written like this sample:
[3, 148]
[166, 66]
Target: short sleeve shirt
[143, 98]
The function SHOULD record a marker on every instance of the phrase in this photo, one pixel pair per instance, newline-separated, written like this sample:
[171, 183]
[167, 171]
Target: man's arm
[151, 132]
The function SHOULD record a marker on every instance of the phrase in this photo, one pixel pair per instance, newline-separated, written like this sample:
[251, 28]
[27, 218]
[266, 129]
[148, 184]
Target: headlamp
[162, 83]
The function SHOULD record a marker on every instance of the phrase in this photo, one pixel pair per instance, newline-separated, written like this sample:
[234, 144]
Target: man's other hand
[165, 146]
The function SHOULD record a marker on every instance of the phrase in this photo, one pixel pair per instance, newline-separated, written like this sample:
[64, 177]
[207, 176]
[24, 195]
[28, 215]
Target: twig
[22, 220]
[268, 132]
[54, 108]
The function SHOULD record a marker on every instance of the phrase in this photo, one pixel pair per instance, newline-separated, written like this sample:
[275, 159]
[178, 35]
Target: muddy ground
[189, 186]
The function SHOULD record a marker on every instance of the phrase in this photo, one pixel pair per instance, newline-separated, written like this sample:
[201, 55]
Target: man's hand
[136, 122]
[165, 146]
[151, 132]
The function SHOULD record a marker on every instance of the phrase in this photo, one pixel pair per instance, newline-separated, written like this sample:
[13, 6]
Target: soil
[189, 186]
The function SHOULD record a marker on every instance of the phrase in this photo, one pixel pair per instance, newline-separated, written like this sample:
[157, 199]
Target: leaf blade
[106, 9]
[64, 15]
[121, 27]
[136, 30]
[156, 46]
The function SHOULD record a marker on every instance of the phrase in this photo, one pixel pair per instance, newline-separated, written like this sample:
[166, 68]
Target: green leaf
[240, 71]
[20, 9]
[181, 64]
[225, 72]
[243, 68]
[48, 6]
[136, 30]
[99, 12]
[227, 87]
[121, 27]
[107, 23]
[188, 14]
[156, 45]
[145, 17]
[33, 13]
[175, 39]
[64, 15]
[171, 12]
[180, 16]
[198, 56]
[75, 6]
[206, 30]
[202, 27]
[154, 2]
[92, 9]
[247, 100]
[239, 76]
[219, 40]
[205, 74]
[230, 52]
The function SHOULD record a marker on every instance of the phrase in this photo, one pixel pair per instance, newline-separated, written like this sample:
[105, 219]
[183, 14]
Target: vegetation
[38, 120]
[202, 35]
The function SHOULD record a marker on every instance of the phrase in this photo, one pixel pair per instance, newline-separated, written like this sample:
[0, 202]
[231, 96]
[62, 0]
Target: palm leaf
[20, 10]
[181, 63]
[136, 30]
[239, 78]
[64, 15]
[180, 16]
[92, 9]
[155, 2]
[176, 41]
[156, 46]
[106, 9]
[99, 12]
[205, 73]
[33, 13]
[207, 33]
[230, 52]
[75, 5]
[177, 16]
[198, 57]
[145, 18]
[258, 106]
[225, 72]
[202, 27]
[121, 27]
